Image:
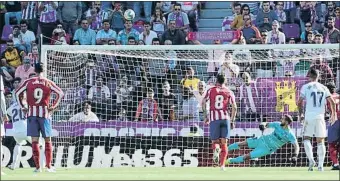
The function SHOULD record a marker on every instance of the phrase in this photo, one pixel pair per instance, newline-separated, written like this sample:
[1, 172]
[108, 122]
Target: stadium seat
[6, 32]
[2, 48]
[291, 30]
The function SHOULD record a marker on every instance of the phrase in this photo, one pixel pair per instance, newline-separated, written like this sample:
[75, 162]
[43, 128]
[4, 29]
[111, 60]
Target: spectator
[23, 71]
[238, 20]
[337, 18]
[141, 42]
[124, 34]
[148, 35]
[199, 94]
[280, 13]
[308, 27]
[190, 81]
[29, 13]
[95, 21]
[190, 8]
[275, 36]
[34, 56]
[59, 36]
[214, 58]
[131, 40]
[122, 115]
[69, 14]
[236, 9]
[165, 6]
[286, 67]
[84, 35]
[27, 37]
[179, 17]
[306, 11]
[48, 18]
[190, 106]
[229, 70]
[111, 42]
[100, 95]
[176, 36]
[265, 12]
[105, 34]
[15, 36]
[330, 12]
[290, 10]
[249, 97]
[331, 34]
[158, 21]
[310, 38]
[170, 69]
[97, 8]
[117, 17]
[264, 37]
[7, 74]
[13, 14]
[147, 5]
[85, 116]
[123, 93]
[249, 31]
[155, 41]
[167, 103]
[147, 108]
[12, 56]
[91, 72]
[326, 74]
[266, 26]
[16, 83]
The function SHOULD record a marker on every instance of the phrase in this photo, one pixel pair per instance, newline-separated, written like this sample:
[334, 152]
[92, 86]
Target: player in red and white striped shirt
[38, 90]
[221, 122]
[333, 137]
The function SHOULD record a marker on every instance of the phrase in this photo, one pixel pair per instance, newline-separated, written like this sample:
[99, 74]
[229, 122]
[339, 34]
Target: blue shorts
[260, 149]
[36, 125]
[219, 129]
[334, 132]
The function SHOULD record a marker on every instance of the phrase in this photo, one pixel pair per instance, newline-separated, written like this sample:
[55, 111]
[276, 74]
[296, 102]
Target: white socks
[16, 152]
[321, 154]
[309, 150]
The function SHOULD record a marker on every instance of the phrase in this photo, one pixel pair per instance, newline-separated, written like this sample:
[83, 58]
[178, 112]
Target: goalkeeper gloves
[262, 127]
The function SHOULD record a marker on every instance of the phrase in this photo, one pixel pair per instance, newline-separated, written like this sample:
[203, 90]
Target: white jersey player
[3, 118]
[19, 122]
[316, 96]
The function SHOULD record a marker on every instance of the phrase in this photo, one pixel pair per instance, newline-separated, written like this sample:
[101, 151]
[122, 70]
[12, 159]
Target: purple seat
[2, 48]
[6, 32]
[291, 30]
[139, 28]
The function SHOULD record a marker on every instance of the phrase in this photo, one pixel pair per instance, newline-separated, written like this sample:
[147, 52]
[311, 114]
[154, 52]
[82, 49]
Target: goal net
[143, 102]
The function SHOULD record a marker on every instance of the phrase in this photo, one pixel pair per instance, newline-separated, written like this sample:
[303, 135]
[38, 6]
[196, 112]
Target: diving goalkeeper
[268, 144]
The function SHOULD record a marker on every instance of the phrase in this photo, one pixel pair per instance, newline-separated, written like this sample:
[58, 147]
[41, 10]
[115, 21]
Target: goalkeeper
[268, 144]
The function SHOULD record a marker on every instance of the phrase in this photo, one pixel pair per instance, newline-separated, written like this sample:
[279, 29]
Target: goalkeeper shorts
[260, 148]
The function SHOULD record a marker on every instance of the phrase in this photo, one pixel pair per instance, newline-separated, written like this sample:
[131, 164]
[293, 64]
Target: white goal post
[168, 130]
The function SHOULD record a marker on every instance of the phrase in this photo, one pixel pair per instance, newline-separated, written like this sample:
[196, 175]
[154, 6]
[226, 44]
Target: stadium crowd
[157, 93]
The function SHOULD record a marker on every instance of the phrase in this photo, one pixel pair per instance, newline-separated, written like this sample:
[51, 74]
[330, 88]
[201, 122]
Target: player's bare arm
[301, 109]
[204, 108]
[333, 112]
[233, 114]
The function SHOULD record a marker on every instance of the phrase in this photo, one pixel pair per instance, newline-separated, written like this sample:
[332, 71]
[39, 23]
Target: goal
[127, 127]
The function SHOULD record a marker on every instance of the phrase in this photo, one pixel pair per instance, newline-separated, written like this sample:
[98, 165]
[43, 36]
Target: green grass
[128, 173]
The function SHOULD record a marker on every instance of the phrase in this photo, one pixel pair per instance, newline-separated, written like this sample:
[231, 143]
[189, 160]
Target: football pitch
[130, 173]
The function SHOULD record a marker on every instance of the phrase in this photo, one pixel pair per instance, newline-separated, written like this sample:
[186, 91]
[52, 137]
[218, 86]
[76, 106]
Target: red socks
[333, 153]
[48, 154]
[36, 154]
[223, 155]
